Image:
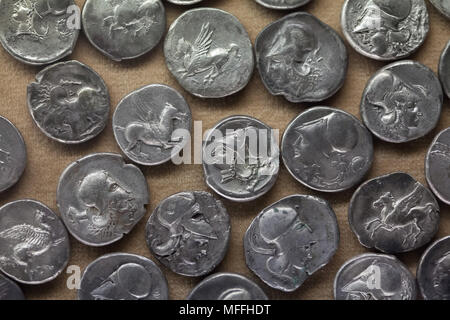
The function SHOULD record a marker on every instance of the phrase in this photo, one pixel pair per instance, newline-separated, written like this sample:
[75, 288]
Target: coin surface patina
[34, 244]
[101, 198]
[283, 4]
[402, 102]
[124, 29]
[394, 214]
[290, 240]
[9, 290]
[146, 123]
[443, 6]
[69, 102]
[209, 53]
[189, 233]
[301, 58]
[374, 277]
[184, 2]
[123, 276]
[444, 69]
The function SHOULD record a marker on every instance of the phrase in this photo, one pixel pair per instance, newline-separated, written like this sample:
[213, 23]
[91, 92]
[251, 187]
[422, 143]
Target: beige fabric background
[47, 159]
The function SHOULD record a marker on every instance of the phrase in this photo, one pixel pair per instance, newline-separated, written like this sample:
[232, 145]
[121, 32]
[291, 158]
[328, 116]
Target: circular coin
[443, 6]
[9, 290]
[282, 4]
[444, 69]
[184, 2]
[437, 164]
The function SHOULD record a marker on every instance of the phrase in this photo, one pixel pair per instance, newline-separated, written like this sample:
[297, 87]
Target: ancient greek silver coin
[374, 277]
[123, 276]
[402, 102]
[443, 6]
[227, 286]
[385, 29]
[301, 58]
[444, 69]
[437, 166]
[189, 233]
[124, 29]
[13, 154]
[290, 240]
[433, 273]
[9, 290]
[38, 32]
[209, 53]
[282, 4]
[394, 214]
[69, 102]
[101, 198]
[34, 244]
[184, 2]
[147, 124]
[241, 158]
[327, 149]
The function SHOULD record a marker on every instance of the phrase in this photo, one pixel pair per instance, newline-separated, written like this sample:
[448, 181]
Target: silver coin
[394, 214]
[301, 58]
[34, 244]
[433, 273]
[123, 276]
[241, 158]
[184, 2]
[444, 69]
[124, 29]
[282, 4]
[189, 233]
[227, 286]
[209, 52]
[13, 154]
[290, 240]
[101, 198]
[402, 102]
[69, 102]
[327, 149]
[443, 6]
[146, 123]
[437, 164]
[9, 290]
[38, 32]
[385, 29]
[374, 277]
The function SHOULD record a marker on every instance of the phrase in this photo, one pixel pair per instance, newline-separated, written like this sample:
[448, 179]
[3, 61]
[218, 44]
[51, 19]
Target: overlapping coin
[9, 290]
[443, 6]
[283, 4]
[444, 68]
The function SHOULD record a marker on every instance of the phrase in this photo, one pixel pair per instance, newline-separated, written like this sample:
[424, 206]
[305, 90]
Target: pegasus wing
[202, 44]
[441, 149]
[20, 232]
[410, 201]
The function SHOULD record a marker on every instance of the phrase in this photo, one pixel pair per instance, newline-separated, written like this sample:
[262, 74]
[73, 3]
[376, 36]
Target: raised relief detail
[441, 150]
[441, 277]
[235, 294]
[5, 157]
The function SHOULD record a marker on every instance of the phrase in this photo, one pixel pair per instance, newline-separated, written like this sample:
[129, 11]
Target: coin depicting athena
[124, 29]
[437, 164]
[444, 69]
[38, 32]
[290, 240]
[209, 53]
[69, 102]
[385, 30]
[283, 4]
[301, 58]
[443, 6]
[9, 290]
[101, 198]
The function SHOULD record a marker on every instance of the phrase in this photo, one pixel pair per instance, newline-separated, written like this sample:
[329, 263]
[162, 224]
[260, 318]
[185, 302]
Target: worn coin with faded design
[283, 4]
[34, 244]
[227, 286]
[437, 166]
[9, 290]
[123, 276]
[301, 58]
[101, 198]
[443, 6]
[241, 158]
[38, 32]
[402, 102]
[290, 240]
[444, 69]
[152, 124]
[394, 214]
[69, 102]
[189, 233]
[374, 277]
[385, 30]
[327, 149]
[209, 53]
[124, 29]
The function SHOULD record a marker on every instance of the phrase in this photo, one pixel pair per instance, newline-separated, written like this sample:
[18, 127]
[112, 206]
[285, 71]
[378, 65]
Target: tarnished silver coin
[241, 158]
[34, 244]
[146, 123]
[38, 32]
[209, 53]
[301, 58]
[433, 273]
[124, 29]
[9, 290]
[69, 102]
[282, 4]
[227, 286]
[385, 29]
[327, 149]
[290, 240]
[123, 276]
[443, 6]
[394, 214]
[13, 154]
[101, 198]
[402, 102]
[189, 233]
[184, 2]
[444, 69]
[374, 277]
